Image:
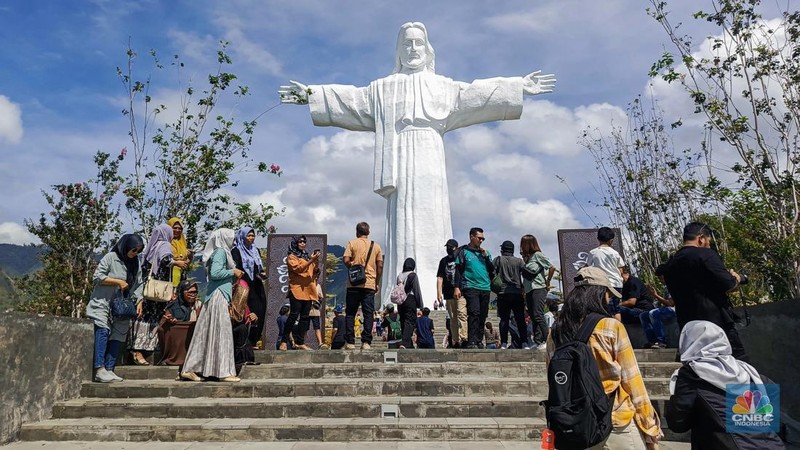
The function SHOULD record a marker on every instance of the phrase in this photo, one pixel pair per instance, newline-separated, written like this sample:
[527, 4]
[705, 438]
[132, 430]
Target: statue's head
[414, 52]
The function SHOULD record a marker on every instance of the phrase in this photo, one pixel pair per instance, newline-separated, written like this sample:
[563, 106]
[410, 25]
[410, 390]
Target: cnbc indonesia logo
[752, 409]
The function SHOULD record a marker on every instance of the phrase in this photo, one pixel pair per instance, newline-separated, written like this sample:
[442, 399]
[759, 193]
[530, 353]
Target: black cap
[507, 246]
[451, 243]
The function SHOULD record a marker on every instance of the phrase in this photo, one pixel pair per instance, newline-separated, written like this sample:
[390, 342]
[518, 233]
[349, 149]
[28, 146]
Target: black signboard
[278, 283]
[574, 247]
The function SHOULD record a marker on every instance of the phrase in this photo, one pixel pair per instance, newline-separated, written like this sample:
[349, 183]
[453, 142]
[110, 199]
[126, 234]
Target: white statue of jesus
[409, 111]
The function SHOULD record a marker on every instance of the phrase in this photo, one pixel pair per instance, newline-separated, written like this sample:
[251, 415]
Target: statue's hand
[536, 83]
[297, 93]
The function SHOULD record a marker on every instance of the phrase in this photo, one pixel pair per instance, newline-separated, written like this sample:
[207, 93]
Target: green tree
[748, 89]
[192, 160]
[83, 222]
[649, 188]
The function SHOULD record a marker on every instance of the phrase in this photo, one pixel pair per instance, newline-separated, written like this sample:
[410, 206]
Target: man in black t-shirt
[699, 283]
[636, 299]
[338, 329]
[445, 287]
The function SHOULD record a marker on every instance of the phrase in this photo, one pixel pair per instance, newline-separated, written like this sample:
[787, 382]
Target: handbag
[122, 307]
[357, 273]
[157, 290]
[239, 300]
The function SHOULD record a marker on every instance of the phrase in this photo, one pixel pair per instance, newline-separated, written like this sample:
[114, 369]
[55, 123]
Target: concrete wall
[43, 359]
[773, 343]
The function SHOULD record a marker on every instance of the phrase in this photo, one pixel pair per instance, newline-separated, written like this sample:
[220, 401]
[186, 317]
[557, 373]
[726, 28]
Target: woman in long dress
[248, 259]
[211, 350]
[180, 252]
[158, 263]
[118, 273]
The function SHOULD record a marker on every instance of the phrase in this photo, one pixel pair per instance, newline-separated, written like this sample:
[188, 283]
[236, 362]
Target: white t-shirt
[550, 319]
[610, 261]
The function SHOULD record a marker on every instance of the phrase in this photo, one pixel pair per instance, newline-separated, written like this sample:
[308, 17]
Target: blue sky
[60, 98]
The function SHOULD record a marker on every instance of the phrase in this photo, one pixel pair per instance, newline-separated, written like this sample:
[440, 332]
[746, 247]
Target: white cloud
[10, 121]
[14, 233]
[553, 130]
[542, 218]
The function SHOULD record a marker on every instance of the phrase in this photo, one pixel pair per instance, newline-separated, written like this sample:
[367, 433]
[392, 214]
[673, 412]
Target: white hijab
[706, 349]
[222, 238]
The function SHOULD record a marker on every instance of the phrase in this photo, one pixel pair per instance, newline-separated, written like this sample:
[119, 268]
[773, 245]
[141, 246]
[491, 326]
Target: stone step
[430, 356]
[335, 387]
[282, 429]
[298, 407]
[329, 445]
[289, 407]
[383, 370]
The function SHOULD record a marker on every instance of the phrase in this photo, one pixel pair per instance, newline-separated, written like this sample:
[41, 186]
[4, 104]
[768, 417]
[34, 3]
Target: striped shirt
[619, 371]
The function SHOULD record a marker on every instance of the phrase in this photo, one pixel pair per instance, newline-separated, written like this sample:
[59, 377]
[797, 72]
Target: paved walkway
[383, 445]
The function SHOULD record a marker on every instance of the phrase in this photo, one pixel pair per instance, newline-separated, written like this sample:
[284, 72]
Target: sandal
[139, 359]
[190, 376]
[231, 379]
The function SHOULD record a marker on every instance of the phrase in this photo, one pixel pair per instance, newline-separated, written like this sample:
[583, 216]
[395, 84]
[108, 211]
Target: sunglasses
[480, 239]
[190, 292]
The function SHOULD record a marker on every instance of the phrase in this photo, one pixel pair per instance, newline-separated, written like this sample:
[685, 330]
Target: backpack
[398, 294]
[395, 330]
[577, 408]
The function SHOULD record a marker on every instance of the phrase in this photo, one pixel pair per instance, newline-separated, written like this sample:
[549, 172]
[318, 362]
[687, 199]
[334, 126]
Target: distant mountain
[19, 260]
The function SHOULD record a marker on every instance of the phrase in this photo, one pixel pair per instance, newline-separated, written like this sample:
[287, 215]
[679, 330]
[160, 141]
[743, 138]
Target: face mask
[451, 251]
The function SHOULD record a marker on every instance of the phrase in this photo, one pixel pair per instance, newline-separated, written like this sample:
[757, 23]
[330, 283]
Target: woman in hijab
[180, 252]
[408, 310]
[303, 274]
[118, 273]
[248, 259]
[698, 402]
[158, 263]
[211, 349]
[178, 323]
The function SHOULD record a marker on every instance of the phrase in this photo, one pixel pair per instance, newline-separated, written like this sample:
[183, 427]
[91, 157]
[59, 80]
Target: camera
[743, 279]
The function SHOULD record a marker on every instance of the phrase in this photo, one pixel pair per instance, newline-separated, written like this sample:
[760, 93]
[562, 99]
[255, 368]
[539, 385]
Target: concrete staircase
[426, 395]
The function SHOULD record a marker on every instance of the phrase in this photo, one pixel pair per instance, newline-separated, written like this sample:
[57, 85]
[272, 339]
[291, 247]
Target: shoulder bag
[357, 273]
[157, 290]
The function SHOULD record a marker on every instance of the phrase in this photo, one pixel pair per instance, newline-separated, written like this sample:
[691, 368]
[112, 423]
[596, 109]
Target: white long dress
[409, 114]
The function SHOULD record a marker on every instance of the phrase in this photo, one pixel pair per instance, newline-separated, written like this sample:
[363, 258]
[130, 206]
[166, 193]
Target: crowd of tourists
[143, 303]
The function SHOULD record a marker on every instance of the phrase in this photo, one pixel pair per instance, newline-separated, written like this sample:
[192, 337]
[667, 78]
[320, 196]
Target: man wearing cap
[337, 329]
[474, 272]
[445, 287]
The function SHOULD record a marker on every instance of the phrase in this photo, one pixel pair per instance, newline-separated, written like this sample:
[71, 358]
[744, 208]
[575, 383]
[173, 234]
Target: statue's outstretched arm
[536, 83]
[296, 93]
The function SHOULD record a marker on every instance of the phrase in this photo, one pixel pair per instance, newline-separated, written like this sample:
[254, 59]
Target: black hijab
[127, 243]
[295, 250]
[409, 265]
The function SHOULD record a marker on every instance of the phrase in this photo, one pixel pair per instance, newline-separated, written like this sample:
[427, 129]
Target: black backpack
[577, 408]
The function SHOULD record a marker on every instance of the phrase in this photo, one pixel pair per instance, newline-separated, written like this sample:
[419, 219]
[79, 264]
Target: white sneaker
[101, 375]
[542, 346]
[114, 376]
[365, 346]
[503, 346]
[349, 346]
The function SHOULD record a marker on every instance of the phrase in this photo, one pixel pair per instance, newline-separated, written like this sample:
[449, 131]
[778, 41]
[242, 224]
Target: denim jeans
[366, 299]
[105, 351]
[630, 315]
[477, 311]
[653, 323]
[536, 300]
